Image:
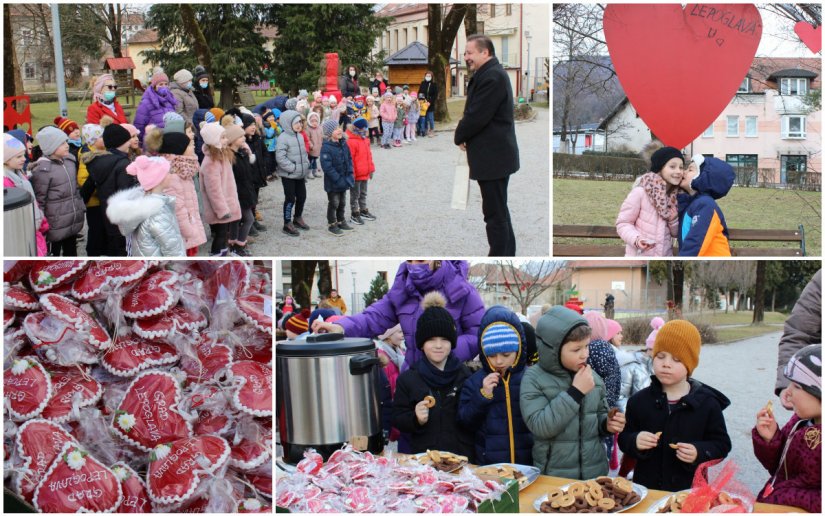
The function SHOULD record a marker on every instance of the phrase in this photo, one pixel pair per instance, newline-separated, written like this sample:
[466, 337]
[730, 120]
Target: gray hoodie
[150, 219]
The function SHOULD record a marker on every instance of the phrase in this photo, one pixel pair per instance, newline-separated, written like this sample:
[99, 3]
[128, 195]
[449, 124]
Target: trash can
[18, 223]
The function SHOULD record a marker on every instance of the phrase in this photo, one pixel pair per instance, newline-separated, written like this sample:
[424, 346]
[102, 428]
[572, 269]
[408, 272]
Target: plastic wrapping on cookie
[10, 404]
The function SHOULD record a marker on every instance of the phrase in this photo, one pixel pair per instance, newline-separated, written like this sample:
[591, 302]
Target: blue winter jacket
[197, 118]
[501, 434]
[702, 227]
[336, 162]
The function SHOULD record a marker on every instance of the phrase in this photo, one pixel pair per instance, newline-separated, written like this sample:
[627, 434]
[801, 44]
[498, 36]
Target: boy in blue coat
[336, 162]
[490, 398]
[702, 228]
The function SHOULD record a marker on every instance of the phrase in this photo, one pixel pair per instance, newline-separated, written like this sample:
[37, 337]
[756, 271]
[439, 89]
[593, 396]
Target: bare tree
[759, 293]
[303, 277]
[530, 280]
[199, 44]
[111, 16]
[441, 33]
[12, 81]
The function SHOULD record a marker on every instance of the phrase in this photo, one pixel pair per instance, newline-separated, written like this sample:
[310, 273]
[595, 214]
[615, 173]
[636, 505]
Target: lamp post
[528, 37]
[354, 293]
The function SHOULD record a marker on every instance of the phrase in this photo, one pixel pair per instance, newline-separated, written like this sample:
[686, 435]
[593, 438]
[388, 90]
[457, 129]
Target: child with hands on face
[427, 394]
[563, 402]
[489, 399]
[793, 455]
[676, 423]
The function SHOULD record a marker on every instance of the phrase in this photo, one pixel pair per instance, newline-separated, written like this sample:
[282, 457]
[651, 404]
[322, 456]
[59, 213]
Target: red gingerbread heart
[105, 276]
[226, 283]
[261, 483]
[45, 276]
[27, 388]
[77, 482]
[64, 386]
[253, 391]
[38, 444]
[256, 309]
[44, 330]
[212, 424]
[131, 354]
[249, 454]
[213, 357]
[15, 270]
[67, 311]
[178, 319]
[175, 469]
[8, 319]
[148, 414]
[135, 495]
[154, 295]
[17, 298]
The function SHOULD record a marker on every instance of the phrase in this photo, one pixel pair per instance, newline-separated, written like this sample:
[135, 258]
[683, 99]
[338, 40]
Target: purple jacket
[402, 304]
[152, 108]
[799, 480]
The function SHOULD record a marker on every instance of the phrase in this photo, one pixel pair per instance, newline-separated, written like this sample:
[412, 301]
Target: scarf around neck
[656, 189]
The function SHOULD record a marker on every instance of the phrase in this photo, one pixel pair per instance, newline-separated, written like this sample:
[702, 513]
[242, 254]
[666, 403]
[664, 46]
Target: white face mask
[352, 73]
[428, 78]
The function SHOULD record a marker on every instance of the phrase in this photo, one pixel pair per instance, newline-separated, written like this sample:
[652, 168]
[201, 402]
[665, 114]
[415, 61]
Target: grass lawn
[744, 332]
[597, 203]
[743, 317]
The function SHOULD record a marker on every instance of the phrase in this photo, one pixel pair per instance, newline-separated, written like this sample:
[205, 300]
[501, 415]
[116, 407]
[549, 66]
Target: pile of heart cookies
[138, 385]
[604, 494]
[675, 502]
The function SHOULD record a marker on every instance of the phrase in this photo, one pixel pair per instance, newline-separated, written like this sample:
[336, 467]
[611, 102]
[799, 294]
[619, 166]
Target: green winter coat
[568, 435]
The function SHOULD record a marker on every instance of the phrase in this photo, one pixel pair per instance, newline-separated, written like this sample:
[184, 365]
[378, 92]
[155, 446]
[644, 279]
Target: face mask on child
[109, 96]
[204, 84]
[428, 78]
[76, 143]
[352, 73]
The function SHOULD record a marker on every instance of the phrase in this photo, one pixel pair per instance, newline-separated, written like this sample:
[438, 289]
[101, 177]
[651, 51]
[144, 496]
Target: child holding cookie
[563, 403]
[489, 399]
[676, 423]
[426, 395]
[793, 455]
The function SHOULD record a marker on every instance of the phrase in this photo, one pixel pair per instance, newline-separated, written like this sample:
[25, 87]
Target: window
[793, 169]
[793, 86]
[750, 127]
[733, 125]
[793, 127]
[492, 10]
[745, 87]
[508, 9]
[415, 33]
[746, 167]
[708, 132]
[27, 36]
[397, 48]
[505, 50]
[480, 26]
[30, 70]
[406, 38]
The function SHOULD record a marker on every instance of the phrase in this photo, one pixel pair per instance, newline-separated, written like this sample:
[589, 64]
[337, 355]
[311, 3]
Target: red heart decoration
[248, 454]
[256, 309]
[130, 355]
[212, 424]
[104, 276]
[178, 319]
[174, 471]
[38, 443]
[812, 37]
[64, 385]
[8, 319]
[27, 388]
[135, 494]
[45, 276]
[214, 358]
[261, 483]
[77, 483]
[15, 270]
[657, 50]
[253, 393]
[154, 295]
[44, 330]
[151, 400]
[227, 282]
[16, 297]
[67, 311]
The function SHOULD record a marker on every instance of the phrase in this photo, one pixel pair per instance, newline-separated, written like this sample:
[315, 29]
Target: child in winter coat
[489, 398]
[563, 403]
[54, 180]
[242, 169]
[702, 228]
[364, 167]
[179, 151]
[92, 146]
[293, 168]
[14, 158]
[145, 213]
[400, 120]
[676, 423]
[72, 131]
[412, 118]
[316, 140]
[372, 116]
[422, 114]
[427, 394]
[257, 152]
[648, 218]
[218, 190]
[388, 115]
[793, 455]
[336, 161]
[271, 131]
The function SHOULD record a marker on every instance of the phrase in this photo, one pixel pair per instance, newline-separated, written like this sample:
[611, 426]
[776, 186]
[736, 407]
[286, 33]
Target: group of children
[555, 414]
[677, 199]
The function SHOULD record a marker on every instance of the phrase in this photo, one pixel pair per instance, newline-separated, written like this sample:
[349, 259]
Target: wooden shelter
[122, 68]
[408, 65]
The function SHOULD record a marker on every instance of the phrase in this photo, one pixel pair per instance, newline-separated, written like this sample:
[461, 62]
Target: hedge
[597, 167]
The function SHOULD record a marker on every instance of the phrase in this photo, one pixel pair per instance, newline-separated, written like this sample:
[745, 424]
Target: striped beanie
[500, 337]
[298, 323]
[805, 368]
[66, 125]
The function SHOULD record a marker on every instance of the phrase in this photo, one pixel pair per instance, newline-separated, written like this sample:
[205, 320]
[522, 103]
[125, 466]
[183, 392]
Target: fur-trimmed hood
[129, 208]
[87, 157]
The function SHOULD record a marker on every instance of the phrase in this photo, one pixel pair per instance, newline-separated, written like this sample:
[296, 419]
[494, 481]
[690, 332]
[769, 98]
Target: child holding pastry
[675, 423]
[793, 455]
[427, 394]
[563, 402]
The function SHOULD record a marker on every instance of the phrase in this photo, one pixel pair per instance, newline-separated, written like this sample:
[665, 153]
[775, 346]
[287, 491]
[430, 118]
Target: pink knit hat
[150, 172]
[98, 87]
[598, 325]
[655, 323]
[612, 329]
[132, 129]
[211, 134]
[158, 77]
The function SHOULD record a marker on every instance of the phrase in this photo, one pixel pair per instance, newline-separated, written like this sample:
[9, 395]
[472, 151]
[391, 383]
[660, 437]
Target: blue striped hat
[500, 337]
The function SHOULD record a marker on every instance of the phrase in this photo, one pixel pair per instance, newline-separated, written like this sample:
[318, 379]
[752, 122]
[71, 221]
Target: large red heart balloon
[812, 37]
[681, 67]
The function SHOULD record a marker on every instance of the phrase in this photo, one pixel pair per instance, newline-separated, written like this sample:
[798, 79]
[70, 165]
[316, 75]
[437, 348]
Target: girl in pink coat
[648, 218]
[219, 192]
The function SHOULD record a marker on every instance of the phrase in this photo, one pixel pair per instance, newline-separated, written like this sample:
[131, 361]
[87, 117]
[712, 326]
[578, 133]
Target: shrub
[636, 330]
[597, 166]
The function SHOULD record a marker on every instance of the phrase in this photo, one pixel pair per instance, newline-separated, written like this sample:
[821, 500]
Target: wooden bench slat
[757, 235]
[560, 250]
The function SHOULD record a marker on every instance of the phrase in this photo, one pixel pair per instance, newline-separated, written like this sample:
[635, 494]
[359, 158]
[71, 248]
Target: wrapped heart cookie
[154, 295]
[253, 387]
[27, 388]
[176, 468]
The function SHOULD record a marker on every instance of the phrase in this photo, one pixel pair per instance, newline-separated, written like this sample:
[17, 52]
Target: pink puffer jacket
[639, 218]
[181, 186]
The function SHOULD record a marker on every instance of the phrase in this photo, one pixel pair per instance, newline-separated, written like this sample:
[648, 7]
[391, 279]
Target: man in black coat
[487, 132]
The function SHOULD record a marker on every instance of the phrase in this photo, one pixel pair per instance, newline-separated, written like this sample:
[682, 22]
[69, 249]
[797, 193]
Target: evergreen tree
[378, 289]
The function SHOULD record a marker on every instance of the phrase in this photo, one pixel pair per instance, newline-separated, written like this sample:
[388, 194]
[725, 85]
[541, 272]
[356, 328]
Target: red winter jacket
[306, 140]
[362, 163]
[96, 111]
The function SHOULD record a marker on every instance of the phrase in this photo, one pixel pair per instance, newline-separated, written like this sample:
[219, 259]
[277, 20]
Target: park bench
[797, 236]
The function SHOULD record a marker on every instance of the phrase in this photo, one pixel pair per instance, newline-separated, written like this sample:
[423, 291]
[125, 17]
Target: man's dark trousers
[500, 233]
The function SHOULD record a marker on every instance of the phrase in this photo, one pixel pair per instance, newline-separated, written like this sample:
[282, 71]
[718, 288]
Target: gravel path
[410, 194]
